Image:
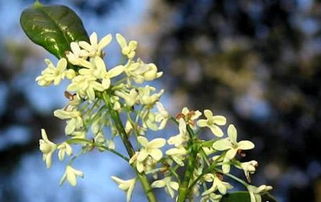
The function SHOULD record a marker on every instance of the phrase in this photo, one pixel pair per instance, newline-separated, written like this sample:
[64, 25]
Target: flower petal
[245, 145]
[222, 144]
[219, 120]
[232, 133]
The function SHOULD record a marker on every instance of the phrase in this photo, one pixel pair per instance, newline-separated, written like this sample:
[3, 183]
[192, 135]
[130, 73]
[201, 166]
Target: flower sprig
[100, 97]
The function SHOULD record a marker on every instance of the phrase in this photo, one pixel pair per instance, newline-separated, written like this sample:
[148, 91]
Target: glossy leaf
[243, 196]
[53, 27]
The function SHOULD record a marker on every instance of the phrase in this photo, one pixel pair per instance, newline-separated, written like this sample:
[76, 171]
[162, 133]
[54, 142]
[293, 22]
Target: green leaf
[53, 27]
[243, 196]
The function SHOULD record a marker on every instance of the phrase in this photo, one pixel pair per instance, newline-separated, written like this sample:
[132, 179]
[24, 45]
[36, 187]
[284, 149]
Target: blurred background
[258, 62]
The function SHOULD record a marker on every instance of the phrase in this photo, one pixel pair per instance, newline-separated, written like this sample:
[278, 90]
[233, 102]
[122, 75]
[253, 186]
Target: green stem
[79, 140]
[183, 188]
[130, 149]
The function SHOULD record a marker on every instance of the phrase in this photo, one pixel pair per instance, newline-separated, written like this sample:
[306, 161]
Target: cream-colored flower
[177, 154]
[145, 97]
[180, 139]
[161, 116]
[168, 184]
[151, 148]
[189, 116]
[94, 48]
[212, 122]
[127, 49]
[256, 192]
[71, 175]
[249, 168]
[125, 185]
[217, 184]
[47, 148]
[76, 56]
[97, 69]
[73, 116]
[230, 143]
[53, 74]
[142, 166]
[64, 148]
[130, 97]
[141, 72]
[85, 86]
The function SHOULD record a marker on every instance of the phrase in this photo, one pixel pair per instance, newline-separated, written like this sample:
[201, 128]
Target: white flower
[71, 175]
[140, 72]
[169, 185]
[53, 74]
[47, 148]
[230, 143]
[151, 148]
[212, 122]
[76, 56]
[218, 184]
[130, 98]
[125, 185]
[182, 137]
[161, 116]
[249, 168]
[189, 116]
[145, 96]
[95, 47]
[64, 148]
[177, 154]
[85, 86]
[127, 49]
[74, 121]
[256, 192]
[97, 69]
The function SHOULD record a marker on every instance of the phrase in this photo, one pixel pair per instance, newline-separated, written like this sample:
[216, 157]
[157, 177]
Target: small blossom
[145, 96]
[95, 47]
[47, 148]
[76, 56]
[162, 116]
[169, 185]
[130, 98]
[218, 184]
[142, 166]
[151, 148]
[85, 86]
[189, 116]
[177, 154]
[212, 122]
[256, 192]
[64, 148]
[53, 74]
[73, 116]
[230, 143]
[71, 175]
[249, 168]
[125, 185]
[127, 49]
[140, 72]
[182, 137]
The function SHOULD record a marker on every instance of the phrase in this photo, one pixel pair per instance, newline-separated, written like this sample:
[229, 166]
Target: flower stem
[183, 188]
[130, 149]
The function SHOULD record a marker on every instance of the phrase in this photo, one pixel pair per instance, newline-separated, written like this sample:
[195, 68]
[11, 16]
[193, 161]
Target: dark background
[256, 62]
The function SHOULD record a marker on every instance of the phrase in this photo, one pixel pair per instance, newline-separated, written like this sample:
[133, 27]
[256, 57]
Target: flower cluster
[116, 98]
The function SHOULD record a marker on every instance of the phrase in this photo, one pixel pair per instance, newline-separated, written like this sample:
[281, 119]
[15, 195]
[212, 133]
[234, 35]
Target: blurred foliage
[259, 61]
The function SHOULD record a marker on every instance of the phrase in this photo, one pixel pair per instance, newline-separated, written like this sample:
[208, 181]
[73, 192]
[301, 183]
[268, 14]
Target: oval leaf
[53, 27]
[243, 196]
